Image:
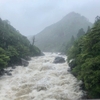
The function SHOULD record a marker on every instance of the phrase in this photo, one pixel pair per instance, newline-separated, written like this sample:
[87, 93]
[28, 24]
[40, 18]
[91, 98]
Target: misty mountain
[54, 36]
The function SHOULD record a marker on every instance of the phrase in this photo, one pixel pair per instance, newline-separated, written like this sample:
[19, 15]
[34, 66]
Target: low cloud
[32, 16]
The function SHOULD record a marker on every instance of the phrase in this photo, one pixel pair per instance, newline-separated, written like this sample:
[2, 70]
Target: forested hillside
[84, 60]
[14, 46]
[54, 36]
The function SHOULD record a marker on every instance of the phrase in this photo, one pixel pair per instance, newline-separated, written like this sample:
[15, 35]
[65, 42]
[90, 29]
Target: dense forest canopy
[84, 59]
[13, 45]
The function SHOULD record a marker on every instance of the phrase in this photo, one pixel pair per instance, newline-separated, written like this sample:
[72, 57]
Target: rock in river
[59, 60]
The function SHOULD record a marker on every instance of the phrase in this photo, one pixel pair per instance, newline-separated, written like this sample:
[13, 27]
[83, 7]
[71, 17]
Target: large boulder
[13, 67]
[59, 60]
[27, 58]
[2, 72]
[24, 62]
[72, 64]
[42, 54]
[9, 74]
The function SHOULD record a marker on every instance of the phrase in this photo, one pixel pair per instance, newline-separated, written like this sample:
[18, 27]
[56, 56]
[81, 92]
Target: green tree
[85, 56]
[80, 33]
[3, 58]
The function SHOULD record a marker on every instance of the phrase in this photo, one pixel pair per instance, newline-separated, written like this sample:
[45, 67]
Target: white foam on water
[41, 80]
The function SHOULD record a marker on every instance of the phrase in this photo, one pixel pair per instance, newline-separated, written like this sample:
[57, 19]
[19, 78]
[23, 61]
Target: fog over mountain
[55, 35]
[32, 16]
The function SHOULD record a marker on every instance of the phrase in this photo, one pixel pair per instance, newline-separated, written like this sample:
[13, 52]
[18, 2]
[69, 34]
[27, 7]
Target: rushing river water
[41, 80]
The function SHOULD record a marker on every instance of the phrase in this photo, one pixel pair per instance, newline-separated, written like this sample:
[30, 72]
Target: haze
[32, 16]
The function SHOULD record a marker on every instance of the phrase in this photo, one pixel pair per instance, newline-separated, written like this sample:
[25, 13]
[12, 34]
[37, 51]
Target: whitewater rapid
[41, 80]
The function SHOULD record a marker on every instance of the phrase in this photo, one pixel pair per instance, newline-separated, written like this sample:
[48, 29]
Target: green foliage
[3, 58]
[13, 45]
[86, 55]
[80, 33]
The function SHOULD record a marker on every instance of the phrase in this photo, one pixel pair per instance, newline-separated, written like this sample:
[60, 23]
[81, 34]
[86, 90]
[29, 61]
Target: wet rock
[13, 67]
[28, 58]
[2, 72]
[10, 70]
[59, 60]
[9, 74]
[72, 64]
[85, 96]
[5, 71]
[24, 62]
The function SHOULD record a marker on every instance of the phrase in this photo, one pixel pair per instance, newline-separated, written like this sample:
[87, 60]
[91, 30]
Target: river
[41, 80]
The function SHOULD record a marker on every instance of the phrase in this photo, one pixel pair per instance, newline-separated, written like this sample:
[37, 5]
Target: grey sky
[32, 16]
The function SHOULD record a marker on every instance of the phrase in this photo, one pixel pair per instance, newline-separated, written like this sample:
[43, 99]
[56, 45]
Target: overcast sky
[32, 16]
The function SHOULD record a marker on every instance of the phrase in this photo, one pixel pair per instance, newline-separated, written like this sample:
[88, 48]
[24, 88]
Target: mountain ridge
[52, 37]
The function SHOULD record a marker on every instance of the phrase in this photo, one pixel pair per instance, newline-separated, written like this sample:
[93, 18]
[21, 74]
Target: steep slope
[84, 60]
[54, 36]
[14, 46]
